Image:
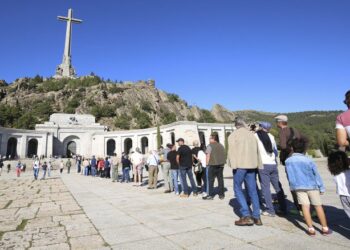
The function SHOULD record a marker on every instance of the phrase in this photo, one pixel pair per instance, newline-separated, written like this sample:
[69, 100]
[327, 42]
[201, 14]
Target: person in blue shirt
[305, 180]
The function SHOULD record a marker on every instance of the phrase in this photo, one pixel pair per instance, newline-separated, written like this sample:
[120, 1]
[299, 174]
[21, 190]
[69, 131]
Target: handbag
[197, 167]
[146, 167]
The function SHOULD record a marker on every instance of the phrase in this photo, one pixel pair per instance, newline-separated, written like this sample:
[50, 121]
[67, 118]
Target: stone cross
[66, 69]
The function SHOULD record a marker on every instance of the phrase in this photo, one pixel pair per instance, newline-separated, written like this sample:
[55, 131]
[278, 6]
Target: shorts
[305, 197]
[138, 169]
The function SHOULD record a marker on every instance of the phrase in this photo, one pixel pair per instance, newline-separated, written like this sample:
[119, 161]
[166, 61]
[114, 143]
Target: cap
[281, 118]
[265, 125]
[169, 145]
[180, 139]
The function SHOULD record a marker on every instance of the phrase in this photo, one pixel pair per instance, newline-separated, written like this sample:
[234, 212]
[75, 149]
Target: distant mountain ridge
[127, 105]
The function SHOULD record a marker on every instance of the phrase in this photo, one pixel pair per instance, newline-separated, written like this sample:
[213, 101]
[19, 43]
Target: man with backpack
[286, 136]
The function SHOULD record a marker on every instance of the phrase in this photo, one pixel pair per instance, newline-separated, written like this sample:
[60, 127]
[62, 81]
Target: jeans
[187, 172]
[269, 174]
[93, 171]
[174, 179]
[207, 179]
[36, 173]
[126, 175]
[218, 172]
[249, 176]
[44, 174]
[115, 173]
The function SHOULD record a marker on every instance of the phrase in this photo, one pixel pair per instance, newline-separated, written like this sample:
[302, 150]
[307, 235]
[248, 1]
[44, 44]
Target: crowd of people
[252, 155]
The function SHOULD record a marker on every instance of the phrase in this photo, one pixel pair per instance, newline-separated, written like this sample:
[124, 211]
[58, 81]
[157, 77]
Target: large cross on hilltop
[65, 69]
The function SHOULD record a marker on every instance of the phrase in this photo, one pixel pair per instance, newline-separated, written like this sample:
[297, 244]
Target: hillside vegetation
[124, 105]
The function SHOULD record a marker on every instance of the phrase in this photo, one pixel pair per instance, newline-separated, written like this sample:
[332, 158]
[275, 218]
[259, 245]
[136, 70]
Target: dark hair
[299, 145]
[215, 136]
[347, 93]
[338, 162]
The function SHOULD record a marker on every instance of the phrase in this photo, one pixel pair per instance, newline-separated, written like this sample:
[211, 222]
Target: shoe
[184, 195]
[244, 221]
[195, 194]
[208, 197]
[257, 222]
[311, 232]
[150, 188]
[177, 193]
[167, 191]
[265, 213]
[221, 197]
[326, 232]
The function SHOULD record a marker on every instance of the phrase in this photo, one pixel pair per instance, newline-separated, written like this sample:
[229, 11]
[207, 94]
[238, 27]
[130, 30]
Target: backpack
[286, 152]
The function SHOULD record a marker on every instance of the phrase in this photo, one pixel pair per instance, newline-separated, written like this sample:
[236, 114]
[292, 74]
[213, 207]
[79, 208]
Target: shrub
[114, 89]
[206, 116]
[122, 121]
[146, 106]
[173, 98]
[168, 118]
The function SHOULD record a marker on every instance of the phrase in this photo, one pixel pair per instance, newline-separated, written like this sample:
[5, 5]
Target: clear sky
[268, 55]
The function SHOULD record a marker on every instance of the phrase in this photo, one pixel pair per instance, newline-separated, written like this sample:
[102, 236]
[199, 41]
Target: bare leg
[321, 216]
[307, 215]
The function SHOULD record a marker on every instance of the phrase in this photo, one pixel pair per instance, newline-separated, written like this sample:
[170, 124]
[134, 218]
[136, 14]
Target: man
[36, 166]
[244, 158]
[93, 164]
[1, 164]
[115, 168]
[343, 125]
[152, 162]
[168, 184]
[269, 173]
[137, 162]
[185, 160]
[286, 135]
[216, 159]
[68, 165]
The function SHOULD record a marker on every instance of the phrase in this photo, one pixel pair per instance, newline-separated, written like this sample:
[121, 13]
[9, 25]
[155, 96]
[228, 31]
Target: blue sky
[271, 55]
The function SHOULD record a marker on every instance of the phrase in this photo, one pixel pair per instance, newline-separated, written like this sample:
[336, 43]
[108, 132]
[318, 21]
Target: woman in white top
[202, 158]
[269, 173]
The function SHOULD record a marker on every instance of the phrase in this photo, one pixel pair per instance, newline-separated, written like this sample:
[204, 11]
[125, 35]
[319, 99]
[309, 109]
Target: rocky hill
[127, 105]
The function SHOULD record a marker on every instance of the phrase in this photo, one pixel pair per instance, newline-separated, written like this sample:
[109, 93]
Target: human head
[169, 145]
[265, 126]
[347, 99]
[338, 162]
[138, 150]
[239, 122]
[181, 141]
[195, 143]
[282, 121]
[299, 145]
[214, 137]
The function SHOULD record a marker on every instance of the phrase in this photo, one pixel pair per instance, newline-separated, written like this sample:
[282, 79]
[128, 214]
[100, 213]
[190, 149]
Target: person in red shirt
[343, 125]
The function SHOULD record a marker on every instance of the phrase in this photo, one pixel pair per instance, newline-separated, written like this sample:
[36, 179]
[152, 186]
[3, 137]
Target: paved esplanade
[120, 216]
[66, 68]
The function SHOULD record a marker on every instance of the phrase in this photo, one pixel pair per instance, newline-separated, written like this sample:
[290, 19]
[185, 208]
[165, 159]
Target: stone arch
[127, 145]
[144, 145]
[111, 147]
[11, 148]
[32, 149]
[71, 146]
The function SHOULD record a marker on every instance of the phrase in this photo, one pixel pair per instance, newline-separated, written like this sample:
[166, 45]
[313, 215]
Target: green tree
[159, 139]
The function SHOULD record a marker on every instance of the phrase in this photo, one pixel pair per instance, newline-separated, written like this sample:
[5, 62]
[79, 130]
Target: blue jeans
[36, 173]
[187, 172]
[174, 178]
[207, 179]
[269, 174]
[126, 175]
[249, 177]
[93, 171]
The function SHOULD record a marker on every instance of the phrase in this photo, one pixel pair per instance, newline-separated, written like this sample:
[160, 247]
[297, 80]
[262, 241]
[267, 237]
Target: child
[18, 168]
[305, 180]
[338, 165]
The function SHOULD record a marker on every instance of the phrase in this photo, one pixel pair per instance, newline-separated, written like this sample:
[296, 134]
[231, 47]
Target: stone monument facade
[65, 69]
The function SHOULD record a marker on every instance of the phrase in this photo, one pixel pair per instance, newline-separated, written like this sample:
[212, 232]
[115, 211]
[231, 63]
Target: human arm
[342, 137]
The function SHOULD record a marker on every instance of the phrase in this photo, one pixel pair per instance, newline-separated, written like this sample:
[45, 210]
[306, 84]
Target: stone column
[22, 152]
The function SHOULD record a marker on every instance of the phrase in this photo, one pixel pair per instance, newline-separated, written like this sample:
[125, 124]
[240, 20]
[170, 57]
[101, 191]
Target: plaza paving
[77, 212]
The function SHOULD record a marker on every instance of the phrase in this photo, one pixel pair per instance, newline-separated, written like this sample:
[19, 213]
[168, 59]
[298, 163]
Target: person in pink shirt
[343, 125]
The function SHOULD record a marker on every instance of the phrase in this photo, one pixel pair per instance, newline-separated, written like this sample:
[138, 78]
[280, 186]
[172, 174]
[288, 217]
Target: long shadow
[337, 219]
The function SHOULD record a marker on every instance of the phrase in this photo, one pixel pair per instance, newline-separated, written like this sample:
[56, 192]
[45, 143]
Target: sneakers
[244, 221]
[265, 213]
[167, 191]
[177, 193]
[184, 195]
[195, 194]
[326, 231]
[208, 197]
[221, 197]
[311, 232]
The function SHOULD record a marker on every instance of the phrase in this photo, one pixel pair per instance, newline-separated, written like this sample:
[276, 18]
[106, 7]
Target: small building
[65, 135]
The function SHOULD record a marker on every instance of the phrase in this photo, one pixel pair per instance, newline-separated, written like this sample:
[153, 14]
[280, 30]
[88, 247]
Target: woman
[202, 158]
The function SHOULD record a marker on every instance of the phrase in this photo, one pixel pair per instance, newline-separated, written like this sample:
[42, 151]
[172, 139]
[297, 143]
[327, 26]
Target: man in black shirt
[185, 161]
[174, 168]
